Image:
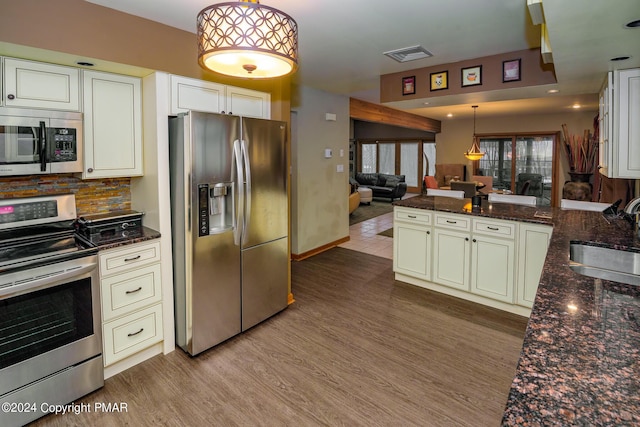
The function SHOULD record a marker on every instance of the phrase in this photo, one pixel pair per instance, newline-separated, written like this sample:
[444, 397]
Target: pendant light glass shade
[474, 152]
[246, 39]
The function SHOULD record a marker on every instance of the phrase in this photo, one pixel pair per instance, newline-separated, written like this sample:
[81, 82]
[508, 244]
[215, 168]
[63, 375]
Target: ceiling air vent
[407, 54]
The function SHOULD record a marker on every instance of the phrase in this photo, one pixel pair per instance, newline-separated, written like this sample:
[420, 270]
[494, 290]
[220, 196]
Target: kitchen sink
[605, 263]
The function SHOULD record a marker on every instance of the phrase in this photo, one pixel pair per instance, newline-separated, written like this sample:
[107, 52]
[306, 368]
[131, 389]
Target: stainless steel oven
[39, 141]
[50, 329]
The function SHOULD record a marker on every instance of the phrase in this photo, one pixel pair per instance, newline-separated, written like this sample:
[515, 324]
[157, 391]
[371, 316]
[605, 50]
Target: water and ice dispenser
[215, 208]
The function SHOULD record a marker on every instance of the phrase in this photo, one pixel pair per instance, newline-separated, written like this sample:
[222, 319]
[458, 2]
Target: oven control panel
[19, 212]
[36, 210]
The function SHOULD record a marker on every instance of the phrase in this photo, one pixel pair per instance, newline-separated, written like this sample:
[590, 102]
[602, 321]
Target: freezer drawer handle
[132, 259]
[134, 291]
[135, 333]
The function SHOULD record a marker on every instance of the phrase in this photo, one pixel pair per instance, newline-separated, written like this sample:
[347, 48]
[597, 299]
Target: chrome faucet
[632, 210]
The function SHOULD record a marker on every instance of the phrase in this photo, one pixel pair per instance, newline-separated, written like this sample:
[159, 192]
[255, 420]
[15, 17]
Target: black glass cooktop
[27, 246]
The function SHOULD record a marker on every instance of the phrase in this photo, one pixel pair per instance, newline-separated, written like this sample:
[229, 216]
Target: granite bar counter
[580, 361]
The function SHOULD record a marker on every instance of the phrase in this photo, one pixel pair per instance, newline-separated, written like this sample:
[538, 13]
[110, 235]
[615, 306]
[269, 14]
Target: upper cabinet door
[192, 94]
[248, 103]
[38, 85]
[112, 125]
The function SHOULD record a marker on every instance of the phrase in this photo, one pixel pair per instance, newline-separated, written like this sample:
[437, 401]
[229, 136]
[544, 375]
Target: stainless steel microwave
[39, 142]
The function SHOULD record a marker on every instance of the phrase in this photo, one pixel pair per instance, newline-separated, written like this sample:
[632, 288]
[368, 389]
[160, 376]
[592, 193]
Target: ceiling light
[576, 106]
[246, 39]
[553, 91]
[449, 115]
[620, 58]
[633, 24]
[407, 54]
[474, 153]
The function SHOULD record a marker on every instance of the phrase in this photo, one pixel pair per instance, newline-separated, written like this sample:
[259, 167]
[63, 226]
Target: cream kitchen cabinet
[112, 125]
[619, 104]
[451, 250]
[533, 242]
[412, 233]
[249, 103]
[193, 94]
[131, 295]
[489, 261]
[30, 84]
[493, 259]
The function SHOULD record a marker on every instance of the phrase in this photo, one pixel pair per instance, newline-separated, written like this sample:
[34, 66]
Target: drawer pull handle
[135, 333]
[493, 228]
[134, 291]
[452, 222]
[132, 259]
[412, 216]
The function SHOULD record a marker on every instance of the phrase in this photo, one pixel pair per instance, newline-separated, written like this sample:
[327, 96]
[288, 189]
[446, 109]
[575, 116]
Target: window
[411, 158]
[517, 160]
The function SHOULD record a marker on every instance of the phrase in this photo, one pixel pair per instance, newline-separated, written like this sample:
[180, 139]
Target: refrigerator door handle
[247, 190]
[237, 226]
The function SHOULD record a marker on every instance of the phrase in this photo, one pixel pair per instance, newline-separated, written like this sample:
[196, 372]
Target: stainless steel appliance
[229, 225]
[39, 141]
[50, 330]
[110, 227]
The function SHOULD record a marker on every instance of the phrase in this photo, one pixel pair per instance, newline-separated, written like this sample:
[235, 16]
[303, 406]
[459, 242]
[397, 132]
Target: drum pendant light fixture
[474, 152]
[246, 39]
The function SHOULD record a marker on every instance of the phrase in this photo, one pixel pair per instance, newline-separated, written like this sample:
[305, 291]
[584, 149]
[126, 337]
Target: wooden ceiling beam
[369, 112]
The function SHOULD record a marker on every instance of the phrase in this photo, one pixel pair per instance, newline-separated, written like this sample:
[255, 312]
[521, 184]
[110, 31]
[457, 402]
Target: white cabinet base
[511, 308]
[132, 361]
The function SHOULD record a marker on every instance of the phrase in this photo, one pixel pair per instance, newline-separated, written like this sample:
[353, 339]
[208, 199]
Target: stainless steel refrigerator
[229, 225]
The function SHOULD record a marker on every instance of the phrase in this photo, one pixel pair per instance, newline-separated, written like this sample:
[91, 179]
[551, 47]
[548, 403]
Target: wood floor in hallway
[355, 349]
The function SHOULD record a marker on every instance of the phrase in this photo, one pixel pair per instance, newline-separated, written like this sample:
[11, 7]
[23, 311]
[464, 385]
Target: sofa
[383, 185]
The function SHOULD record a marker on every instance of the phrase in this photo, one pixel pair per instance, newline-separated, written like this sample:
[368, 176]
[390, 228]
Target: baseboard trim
[320, 249]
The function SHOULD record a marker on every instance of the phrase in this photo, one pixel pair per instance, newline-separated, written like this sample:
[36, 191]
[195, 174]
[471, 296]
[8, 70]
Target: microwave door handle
[42, 145]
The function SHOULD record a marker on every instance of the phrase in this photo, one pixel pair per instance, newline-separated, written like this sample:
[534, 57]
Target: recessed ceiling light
[633, 24]
[426, 103]
[620, 58]
[575, 106]
[449, 115]
[553, 91]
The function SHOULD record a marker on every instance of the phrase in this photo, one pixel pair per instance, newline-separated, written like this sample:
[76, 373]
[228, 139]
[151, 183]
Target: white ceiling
[341, 44]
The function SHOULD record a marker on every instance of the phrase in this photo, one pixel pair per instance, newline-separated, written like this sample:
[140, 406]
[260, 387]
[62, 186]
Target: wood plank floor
[355, 349]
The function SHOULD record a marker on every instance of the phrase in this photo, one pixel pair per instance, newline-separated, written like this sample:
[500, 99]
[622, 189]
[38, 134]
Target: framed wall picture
[409, 85]
[439, 80]
[472, 76]
[511, 70]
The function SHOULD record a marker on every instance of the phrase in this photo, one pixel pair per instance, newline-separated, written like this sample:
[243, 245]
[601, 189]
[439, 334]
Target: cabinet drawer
[413, 216]
[133, 256]
[455, 222]
[506, 230]
[130, 334]
[131, 290]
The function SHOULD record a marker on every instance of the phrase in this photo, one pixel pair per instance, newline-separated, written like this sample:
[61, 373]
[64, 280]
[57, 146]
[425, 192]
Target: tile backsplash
[92, 196]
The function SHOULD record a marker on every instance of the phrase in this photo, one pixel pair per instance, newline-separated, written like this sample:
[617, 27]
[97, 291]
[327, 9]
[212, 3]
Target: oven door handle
[44, 281]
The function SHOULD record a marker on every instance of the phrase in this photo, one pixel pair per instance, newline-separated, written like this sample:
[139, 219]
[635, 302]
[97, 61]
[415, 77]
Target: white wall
[319, 194]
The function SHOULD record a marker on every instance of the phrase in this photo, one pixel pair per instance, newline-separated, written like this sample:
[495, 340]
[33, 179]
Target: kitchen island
[580, 361]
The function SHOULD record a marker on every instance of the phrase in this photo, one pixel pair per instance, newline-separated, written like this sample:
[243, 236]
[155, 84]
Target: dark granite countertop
[147, 234]
[580, 361]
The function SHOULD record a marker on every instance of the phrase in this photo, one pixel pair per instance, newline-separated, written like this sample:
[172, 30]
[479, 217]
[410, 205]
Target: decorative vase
[580, 176]
[579, 188]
